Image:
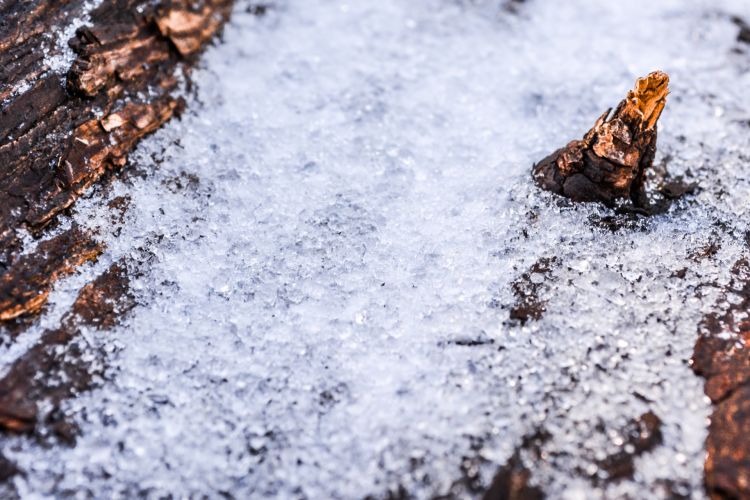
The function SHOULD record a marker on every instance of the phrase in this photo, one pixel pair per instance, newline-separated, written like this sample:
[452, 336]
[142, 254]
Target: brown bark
[25, 285]
[721, 356]
[54, 370]
[612, 159]
[61, 130]
[60, 133]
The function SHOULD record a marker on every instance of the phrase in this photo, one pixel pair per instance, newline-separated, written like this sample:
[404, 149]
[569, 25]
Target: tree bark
[78, 90]
[67, 118]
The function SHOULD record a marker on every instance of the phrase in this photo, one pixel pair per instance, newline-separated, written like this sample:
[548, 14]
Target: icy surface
[331, 233]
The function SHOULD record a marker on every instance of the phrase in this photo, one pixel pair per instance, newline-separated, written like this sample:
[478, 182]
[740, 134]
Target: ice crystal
[331, 236]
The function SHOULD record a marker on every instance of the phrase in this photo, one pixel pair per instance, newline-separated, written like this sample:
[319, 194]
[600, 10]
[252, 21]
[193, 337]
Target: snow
[355, 199]
[60, 56]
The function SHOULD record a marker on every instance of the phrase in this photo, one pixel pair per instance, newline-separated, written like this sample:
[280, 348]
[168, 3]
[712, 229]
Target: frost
[332, 232]
[61, 56]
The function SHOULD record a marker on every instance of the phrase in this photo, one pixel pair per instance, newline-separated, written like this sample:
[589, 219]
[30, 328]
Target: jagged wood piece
[612, 159]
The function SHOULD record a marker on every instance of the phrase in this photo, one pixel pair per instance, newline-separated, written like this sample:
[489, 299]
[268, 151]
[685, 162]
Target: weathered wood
[59, 133]
[612, 159]
[61, 130]
[25, 285]
[53, 369]
[721, 356]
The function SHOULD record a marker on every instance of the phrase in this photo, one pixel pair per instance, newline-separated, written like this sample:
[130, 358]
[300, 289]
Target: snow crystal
[59, 58]
[333, 230]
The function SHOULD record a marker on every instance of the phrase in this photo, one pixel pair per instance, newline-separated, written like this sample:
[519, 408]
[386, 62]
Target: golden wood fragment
[612, 159]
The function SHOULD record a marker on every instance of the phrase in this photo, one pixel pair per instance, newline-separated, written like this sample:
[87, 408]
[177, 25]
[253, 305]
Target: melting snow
[347, 201]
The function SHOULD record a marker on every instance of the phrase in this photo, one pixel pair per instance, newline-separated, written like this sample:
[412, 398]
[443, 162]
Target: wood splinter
[612, 160]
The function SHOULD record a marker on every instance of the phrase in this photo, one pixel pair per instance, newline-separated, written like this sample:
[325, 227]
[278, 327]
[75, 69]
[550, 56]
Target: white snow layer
[347, 196]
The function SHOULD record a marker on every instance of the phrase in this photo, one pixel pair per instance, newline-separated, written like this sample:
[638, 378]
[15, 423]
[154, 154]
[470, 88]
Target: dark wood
[54, 369]
[61, 132]
[25, 285]
[64, 124]
[610, 163]
[722, 357]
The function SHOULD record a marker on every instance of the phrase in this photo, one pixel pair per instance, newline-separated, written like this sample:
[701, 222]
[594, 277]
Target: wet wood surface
[722, 358]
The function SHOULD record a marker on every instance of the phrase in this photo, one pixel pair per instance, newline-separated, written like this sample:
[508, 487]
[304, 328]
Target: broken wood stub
[612, 159]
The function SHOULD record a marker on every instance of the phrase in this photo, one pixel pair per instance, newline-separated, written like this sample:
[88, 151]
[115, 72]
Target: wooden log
[53, 369]
[67, 118]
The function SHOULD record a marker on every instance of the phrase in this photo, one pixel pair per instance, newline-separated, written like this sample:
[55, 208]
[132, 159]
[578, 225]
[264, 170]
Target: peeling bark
[60, 133]
[611, 162]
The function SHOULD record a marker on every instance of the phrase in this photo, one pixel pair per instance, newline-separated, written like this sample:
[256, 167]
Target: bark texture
[61, 131]
[25, 285]
[73, 104]
[55, 368]
[722, 356]
[611, 160]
